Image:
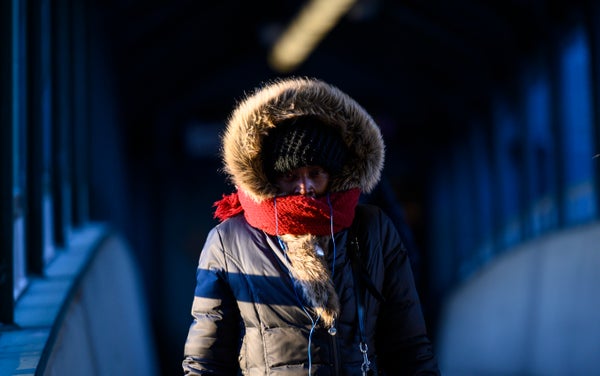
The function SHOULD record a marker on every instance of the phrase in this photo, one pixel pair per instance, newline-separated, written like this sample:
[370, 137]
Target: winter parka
[249, 316]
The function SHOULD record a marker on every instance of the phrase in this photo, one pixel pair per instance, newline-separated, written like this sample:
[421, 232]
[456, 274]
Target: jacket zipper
[336, 356]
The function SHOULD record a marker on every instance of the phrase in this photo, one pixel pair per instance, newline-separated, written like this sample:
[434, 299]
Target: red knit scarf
[294, 214]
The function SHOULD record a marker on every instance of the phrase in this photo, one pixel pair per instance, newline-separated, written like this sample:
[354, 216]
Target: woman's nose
[305, 186]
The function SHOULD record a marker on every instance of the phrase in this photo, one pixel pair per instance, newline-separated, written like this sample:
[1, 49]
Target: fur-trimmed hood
[283, 99]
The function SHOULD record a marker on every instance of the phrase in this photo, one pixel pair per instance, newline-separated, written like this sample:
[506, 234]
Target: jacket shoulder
[233, 230]
[372, 224]
[370, 215]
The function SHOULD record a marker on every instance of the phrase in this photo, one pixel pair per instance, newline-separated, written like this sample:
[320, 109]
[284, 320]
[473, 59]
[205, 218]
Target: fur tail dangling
[312, 275]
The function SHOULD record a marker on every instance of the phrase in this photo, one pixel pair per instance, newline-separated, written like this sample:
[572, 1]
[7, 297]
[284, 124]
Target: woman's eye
[317, 172]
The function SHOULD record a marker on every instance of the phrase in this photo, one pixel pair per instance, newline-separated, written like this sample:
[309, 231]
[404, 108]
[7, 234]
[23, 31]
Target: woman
[298, 278]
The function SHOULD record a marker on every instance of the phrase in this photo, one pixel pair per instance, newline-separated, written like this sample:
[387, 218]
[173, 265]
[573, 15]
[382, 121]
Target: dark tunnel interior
[448, 82]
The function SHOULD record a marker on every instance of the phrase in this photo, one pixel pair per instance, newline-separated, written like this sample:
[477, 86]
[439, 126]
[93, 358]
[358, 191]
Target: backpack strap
[361, 280]
[359, 269]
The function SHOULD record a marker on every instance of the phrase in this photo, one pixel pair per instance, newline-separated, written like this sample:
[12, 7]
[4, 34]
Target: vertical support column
[62, 120]
[7, 301]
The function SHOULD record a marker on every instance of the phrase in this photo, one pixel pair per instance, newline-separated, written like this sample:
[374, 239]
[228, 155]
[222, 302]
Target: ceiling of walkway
[419, 66]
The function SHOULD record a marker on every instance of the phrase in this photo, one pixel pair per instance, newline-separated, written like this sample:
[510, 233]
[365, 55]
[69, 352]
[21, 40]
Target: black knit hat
[303, 141]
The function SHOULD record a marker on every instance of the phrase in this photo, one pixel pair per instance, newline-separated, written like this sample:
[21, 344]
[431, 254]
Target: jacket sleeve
[403, 345]
[212, 344]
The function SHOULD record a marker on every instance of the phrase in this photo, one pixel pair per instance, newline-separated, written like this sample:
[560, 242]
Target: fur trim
[312, 276]
[287, 98]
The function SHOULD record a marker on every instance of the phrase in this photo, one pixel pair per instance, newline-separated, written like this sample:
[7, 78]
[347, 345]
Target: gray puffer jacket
[245, 303]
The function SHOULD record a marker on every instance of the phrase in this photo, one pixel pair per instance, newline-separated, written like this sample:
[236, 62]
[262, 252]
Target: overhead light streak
[305, 32]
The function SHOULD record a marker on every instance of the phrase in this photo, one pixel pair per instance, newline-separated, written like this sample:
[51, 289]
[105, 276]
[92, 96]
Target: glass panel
[62, 125]
[462, 193]
[482, 185]
[444, 251]
[576, 126]
[45, 118]
[508, 155]
[541, 152]
[19, 122]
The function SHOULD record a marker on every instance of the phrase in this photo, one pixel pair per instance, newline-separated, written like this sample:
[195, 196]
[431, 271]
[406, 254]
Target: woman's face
[311, 181]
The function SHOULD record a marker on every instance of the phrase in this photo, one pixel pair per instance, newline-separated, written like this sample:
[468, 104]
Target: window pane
[541, 152]
[40, 245]
[508, 154]
[46, 117]
[462, 192]
[443, 244]
[19, 121]
[576, 124]
[482, 183]
[62, 124]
